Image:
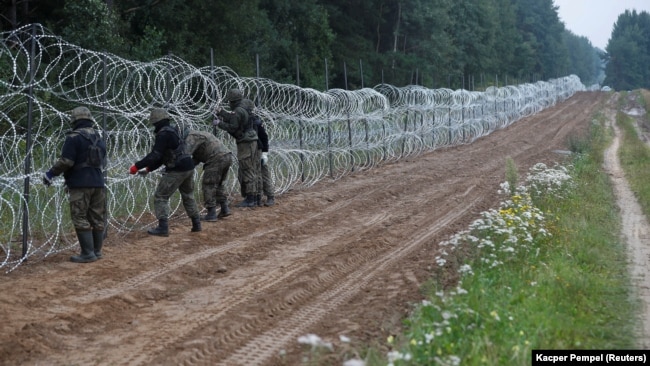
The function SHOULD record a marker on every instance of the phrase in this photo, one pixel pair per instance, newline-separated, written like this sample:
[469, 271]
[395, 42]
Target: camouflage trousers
[87, 208]
[248, 173]
[265, 185]
[214, 175]
[168, 184]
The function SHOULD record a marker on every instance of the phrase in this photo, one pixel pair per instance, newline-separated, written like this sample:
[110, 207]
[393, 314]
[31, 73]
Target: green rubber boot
[98, 241]
[87, 248]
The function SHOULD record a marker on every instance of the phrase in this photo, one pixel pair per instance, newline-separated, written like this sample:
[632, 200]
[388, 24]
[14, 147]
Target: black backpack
[254, 120]
[180, 152]
[95, 157]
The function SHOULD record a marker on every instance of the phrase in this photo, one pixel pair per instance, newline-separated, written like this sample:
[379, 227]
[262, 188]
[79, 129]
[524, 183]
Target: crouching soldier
[217, 159]
[82, 159]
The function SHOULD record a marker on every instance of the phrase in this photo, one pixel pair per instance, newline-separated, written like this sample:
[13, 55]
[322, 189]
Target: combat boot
[248, 202]
[270, 201]
[196, 224]
[98, 241]
[225, 210]
[258, 200]
[87, 248]
[161, 230]
[211, 215]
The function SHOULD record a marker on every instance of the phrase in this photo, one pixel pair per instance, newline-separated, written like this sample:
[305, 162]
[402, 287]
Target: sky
[595, 19]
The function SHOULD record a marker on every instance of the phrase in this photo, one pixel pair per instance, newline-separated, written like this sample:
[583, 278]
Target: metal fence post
[28, 155]
[105, 134]
[300, 124]
[329, 126]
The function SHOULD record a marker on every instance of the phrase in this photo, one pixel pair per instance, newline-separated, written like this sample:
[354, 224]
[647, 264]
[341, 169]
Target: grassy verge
[544, 271]
[634, 155]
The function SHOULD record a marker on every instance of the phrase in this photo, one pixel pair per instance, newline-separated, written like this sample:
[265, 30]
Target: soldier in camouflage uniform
[238, 125]
[169, 149]
[217, 159]
[84, 179]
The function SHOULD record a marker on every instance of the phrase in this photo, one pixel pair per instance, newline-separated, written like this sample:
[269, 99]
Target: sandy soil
[343, 258]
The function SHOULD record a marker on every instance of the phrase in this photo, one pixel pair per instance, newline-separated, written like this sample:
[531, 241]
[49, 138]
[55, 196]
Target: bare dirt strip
[342, 258]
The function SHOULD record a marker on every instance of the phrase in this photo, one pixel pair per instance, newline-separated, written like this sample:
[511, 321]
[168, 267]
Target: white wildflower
[354, 362]
[314, 341]
[465, 269]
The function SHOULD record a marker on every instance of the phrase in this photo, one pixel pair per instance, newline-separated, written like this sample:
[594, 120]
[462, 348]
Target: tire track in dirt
[574, 113]
[208, 348]
[172, 329]
[291, 267]
[179, 330]
[108, 288]
[261, 348]
[166, 267]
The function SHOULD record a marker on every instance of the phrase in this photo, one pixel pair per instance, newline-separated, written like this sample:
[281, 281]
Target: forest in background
[434, 43]
[628, 52]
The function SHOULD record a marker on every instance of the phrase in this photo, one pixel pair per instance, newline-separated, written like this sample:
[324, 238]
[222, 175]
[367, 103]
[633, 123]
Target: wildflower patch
[512, 231]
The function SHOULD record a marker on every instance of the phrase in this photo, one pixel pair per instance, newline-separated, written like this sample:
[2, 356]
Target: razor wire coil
[314, 135]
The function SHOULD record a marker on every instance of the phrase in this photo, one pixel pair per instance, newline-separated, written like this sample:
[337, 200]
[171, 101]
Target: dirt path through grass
[635, 226]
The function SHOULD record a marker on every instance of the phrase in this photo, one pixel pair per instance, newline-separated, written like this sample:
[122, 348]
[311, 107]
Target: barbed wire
[314, 135]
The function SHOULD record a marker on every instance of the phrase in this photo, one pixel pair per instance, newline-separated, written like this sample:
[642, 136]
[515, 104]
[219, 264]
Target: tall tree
[584, 58]
[296, 29]
[474, 29]
[508, 40]
[543, 53]
[628, 52]
[99, 30]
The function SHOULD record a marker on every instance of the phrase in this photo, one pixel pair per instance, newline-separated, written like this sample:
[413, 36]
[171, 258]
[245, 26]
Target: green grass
[567, 290]
[634, 155]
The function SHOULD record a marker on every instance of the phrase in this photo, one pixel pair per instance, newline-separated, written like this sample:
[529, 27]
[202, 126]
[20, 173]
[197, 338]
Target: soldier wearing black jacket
[84, 180]
[170, 150]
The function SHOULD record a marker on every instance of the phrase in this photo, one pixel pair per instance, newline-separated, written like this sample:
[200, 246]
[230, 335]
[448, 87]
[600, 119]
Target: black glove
[47, 178]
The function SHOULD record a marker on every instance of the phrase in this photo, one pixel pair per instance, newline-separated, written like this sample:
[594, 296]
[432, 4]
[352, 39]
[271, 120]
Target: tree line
[628, 52]
[434, 43]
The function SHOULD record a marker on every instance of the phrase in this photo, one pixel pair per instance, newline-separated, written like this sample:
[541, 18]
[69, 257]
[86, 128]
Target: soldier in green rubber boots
[82, 162]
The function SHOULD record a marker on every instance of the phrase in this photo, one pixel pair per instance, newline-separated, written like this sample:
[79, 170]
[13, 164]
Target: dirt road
[343, 258]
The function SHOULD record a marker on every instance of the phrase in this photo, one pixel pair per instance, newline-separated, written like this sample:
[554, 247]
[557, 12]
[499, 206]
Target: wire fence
[314, 135]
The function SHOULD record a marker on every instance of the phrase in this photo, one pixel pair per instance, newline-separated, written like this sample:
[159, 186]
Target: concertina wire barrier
[314, 135]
